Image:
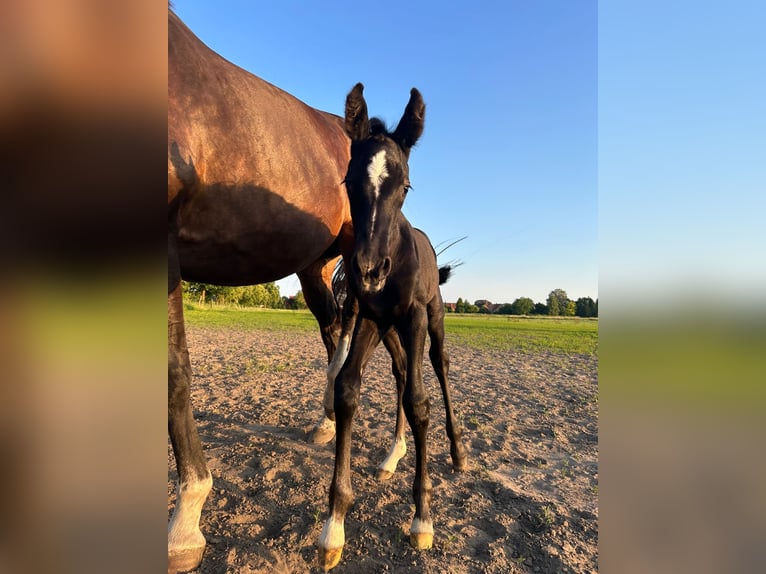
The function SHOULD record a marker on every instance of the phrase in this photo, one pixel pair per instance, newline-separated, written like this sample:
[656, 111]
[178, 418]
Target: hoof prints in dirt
[528, 502]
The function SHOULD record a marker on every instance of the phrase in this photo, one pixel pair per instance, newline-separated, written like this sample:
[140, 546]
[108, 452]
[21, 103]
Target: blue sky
[509, 152]
[682, 154]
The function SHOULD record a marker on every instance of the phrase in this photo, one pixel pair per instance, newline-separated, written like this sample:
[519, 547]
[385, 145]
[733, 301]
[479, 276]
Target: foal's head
[377, 182]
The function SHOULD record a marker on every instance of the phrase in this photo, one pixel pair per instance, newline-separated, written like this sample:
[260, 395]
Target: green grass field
[530, 334]
[496, 332]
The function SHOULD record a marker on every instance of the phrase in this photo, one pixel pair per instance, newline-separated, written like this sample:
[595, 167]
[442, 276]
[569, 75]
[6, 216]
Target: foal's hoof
[421, 540]
[184, 560]
[329, 558]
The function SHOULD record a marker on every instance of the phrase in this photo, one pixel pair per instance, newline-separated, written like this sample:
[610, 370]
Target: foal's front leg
[347, 386]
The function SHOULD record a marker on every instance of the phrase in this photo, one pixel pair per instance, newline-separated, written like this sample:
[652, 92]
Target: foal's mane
[378, 128]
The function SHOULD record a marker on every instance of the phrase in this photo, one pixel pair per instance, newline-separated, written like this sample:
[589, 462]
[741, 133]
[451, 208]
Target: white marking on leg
[183, 530]
[378, 173]
[398, 450]
[333, 535]
[421, 527]
[325, 428]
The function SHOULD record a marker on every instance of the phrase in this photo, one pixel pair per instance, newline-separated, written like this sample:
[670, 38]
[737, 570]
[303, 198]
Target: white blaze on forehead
[378, 173]
[377, 169]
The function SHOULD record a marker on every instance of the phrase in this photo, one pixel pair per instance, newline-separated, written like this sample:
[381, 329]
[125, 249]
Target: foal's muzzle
[372, 274]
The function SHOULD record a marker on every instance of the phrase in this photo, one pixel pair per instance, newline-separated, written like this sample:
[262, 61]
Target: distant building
[484, 305]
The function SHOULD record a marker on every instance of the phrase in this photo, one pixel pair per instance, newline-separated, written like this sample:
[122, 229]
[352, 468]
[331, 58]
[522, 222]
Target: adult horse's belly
[245, 235]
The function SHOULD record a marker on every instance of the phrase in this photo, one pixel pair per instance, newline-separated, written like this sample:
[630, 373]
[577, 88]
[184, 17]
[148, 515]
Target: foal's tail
[444, 273]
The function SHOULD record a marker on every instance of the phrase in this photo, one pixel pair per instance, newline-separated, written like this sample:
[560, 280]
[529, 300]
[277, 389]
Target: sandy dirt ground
[528, 503]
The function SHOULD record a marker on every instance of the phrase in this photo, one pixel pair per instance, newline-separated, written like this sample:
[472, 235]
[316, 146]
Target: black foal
[394, 277]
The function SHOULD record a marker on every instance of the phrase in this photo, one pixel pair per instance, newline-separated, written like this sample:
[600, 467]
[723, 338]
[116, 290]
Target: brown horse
[255, 193]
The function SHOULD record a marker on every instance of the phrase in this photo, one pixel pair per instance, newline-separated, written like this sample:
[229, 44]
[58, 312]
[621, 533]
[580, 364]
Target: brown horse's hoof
[384, 475]
[421, 540]
[323, 433]
[185, 560]
[329, 558]
[460, 465]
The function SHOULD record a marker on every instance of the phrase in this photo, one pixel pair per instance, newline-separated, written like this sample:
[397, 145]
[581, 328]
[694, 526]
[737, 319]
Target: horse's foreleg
[324, 430]
[316, 283]
[417, 409]
[347, 386]
[440, 363]
[185, 541]
[398, 367]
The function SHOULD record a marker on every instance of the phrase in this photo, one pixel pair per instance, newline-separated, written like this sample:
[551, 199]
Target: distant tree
[209, 293]
[271, 296]
[506, 309]
[570, 309]
[249, 296]
[557, 302]
[299, 301]
[522, 306]
[460, 305]
[586, 307]
[265, 295]
[540, 309]
[469, 308]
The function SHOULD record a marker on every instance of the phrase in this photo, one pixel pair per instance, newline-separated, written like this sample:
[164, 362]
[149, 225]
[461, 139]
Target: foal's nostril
[381, 270]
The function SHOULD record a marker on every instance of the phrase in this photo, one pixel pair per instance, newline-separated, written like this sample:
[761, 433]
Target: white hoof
[323, 432]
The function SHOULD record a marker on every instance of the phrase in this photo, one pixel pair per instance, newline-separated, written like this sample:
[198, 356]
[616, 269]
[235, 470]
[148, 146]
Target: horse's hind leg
[325, 428]
[440, 362]
[316, 283]
[185, 541]
[398, 367]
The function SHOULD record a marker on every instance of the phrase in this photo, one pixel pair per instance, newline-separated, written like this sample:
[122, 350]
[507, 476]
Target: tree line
[557, 304]
[267, 295]
[263, 295]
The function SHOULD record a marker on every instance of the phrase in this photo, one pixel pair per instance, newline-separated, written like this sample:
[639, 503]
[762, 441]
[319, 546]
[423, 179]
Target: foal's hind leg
[398, 367]
[440, 362]
[316, 283]
[417, 408]
[185, 541]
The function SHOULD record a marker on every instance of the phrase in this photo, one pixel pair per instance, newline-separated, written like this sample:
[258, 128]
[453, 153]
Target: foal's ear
[357, 125]
[410, 127]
